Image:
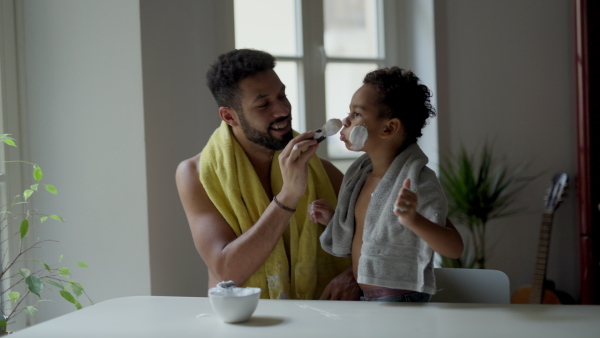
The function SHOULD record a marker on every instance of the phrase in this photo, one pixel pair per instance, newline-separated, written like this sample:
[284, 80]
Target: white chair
[456, 285]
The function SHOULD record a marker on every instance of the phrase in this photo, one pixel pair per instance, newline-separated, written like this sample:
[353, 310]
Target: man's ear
[228, 115]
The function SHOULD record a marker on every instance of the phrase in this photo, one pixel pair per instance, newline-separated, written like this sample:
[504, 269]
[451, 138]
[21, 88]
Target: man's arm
[227, 256]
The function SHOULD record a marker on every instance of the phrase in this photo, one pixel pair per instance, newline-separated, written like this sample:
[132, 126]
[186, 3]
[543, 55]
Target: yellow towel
[234, 188]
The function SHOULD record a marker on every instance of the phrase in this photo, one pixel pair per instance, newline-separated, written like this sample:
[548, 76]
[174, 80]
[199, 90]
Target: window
[321, 47]
[10, 123]
[324, 48]
[274, 26]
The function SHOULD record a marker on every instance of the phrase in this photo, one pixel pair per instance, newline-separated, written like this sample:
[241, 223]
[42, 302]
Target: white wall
[116, 99]
[416, 30]
[179, 42]
[86, 127]
[506, 71]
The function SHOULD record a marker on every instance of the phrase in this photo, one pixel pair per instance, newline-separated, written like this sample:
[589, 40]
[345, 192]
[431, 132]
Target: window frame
[313, 60]
[13, 119]
[404, 34]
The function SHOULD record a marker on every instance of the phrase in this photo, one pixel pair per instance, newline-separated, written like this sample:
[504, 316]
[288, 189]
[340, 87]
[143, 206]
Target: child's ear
[228, 115]
[392, 127]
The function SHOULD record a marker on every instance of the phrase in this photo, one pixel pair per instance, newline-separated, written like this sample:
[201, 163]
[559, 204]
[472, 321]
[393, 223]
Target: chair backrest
[455, 285]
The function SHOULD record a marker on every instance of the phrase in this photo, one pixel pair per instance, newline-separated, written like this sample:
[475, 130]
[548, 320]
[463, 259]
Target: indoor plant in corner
[23, 277]
[479, 189]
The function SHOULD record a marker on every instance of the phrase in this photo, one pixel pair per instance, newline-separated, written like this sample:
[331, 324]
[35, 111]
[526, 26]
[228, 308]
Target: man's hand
[293, 161]
[342, 287]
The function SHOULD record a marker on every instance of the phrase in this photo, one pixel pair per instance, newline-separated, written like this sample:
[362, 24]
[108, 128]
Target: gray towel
[392, 255]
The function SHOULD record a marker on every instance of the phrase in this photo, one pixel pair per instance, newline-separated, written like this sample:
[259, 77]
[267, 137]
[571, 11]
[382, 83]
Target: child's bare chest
[362, 203]
[360, 211]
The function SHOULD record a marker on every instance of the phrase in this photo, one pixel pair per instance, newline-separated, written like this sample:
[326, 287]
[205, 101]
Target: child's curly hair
[402, 96]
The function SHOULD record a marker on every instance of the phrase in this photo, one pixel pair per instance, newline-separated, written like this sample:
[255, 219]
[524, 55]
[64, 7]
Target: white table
[151, 316]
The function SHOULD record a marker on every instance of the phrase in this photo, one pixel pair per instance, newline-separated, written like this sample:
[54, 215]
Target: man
[248, 211]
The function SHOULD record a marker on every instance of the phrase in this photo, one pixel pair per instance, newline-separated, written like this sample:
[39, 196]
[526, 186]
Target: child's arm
[444, 240]
[319, 211]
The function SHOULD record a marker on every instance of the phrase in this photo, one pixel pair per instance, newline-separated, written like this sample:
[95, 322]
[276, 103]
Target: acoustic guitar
[541, 290]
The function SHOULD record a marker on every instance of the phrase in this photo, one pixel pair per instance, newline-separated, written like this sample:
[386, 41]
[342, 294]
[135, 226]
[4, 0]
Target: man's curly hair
[402, 96]
[224, 75]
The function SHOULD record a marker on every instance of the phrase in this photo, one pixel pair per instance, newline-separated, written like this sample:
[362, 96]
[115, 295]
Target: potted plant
[23, 277]
[479, 189]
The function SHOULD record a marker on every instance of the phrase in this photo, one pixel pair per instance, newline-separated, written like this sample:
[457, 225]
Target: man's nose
[281, 109]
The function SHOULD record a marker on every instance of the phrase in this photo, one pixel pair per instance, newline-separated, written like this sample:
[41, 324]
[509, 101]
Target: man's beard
[265, 139]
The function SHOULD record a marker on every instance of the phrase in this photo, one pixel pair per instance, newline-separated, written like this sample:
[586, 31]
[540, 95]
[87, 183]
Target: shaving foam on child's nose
[358, 137]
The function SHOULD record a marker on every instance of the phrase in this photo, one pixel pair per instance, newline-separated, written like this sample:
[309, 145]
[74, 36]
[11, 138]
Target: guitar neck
[541, 263]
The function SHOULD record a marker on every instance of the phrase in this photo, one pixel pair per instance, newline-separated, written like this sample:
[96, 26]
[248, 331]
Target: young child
[391, 210]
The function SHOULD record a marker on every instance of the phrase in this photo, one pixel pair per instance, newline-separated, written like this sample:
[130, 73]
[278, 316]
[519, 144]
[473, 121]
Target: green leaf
[51, 189]
[58, 218]
[24, 272]
[82, 264]
[9, 141]
[60, 258]
[78, 306]
[77, 289]
[43, 219]
[55, 284]
[27, 193]
[34, 187]
[46, 266]
[24, 228]
[30, 310]
[34, 284]
[14, 296]
[37, 173]
[68, 296]
[65, 272]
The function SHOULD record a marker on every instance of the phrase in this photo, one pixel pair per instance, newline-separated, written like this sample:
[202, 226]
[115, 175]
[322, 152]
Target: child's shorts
[383, 294]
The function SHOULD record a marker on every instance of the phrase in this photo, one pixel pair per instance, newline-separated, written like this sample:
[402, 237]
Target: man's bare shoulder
[187, 170]
[191, 191]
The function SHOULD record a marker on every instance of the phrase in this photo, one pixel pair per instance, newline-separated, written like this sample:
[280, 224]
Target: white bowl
[234, 305]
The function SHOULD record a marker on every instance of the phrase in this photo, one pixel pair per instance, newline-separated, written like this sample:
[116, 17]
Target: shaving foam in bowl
[233, 304]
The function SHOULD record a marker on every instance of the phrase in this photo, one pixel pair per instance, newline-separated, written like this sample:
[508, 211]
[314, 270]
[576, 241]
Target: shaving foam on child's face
[358, 137]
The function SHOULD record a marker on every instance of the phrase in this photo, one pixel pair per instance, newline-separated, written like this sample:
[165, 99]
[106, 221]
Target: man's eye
[263, 105]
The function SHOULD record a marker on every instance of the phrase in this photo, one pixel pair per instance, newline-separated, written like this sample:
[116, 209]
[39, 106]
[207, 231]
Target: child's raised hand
[406, 204]
[319, 211]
